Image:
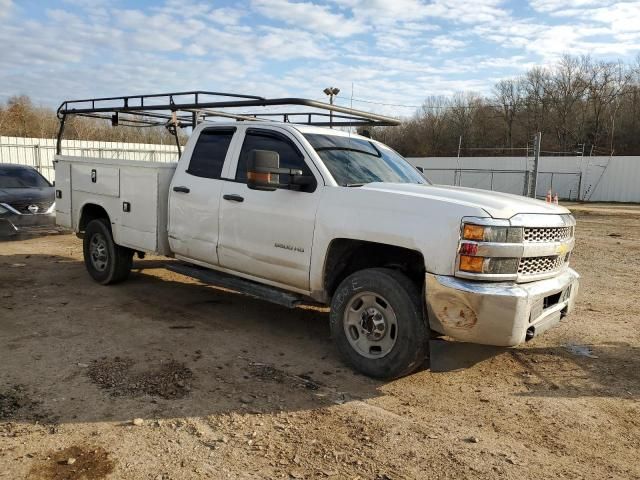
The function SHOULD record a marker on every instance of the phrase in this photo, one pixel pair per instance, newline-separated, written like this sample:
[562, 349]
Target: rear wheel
[105, 261]
[378, 323]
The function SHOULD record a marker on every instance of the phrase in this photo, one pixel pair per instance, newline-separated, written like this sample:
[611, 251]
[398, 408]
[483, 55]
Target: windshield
[355, 161]
[21, 178]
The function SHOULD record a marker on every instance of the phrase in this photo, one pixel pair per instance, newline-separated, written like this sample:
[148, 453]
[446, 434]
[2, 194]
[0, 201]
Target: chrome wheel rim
[370, 325]
[98, 253]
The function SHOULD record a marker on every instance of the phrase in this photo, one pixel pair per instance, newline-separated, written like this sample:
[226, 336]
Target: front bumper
[12, 223]
[503, 314]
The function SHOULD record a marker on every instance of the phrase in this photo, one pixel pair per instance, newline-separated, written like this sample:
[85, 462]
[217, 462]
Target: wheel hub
[370, 324]
[373, 323]
[98, 252]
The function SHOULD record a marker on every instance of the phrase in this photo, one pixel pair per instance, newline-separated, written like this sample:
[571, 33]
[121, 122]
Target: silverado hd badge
[289, 247]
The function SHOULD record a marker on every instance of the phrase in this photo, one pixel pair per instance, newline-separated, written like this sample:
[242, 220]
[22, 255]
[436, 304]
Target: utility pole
[536, 161]
[331, 92]
[458, 174]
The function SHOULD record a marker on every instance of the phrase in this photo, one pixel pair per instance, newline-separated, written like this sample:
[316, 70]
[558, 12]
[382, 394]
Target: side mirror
[263, 171]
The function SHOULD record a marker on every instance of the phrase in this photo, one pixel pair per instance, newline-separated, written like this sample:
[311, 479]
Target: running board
[240, 285]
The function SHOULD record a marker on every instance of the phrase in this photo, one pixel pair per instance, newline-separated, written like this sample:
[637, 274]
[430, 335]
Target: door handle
[181, 189]
[233, 198]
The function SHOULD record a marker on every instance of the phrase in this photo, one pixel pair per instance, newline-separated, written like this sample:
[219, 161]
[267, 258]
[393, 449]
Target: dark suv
[26, 199]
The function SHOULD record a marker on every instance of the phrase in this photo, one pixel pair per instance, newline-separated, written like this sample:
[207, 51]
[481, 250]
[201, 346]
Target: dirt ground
[165, 378]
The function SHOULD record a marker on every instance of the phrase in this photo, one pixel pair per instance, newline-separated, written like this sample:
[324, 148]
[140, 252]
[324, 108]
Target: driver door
[269, 234]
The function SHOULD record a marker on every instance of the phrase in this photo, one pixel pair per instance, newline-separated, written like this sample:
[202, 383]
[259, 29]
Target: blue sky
[391, 51]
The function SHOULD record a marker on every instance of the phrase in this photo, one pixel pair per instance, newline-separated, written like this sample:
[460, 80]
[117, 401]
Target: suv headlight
[482, 233]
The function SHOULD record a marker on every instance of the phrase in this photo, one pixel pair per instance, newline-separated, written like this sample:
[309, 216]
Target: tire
[105, 261]
[388, 348]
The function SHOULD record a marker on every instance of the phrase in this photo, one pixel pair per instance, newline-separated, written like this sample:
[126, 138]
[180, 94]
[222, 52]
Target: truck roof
[304, 129]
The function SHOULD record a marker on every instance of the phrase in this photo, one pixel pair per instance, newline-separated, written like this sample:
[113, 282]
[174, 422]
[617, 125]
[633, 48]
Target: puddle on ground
[580, 350]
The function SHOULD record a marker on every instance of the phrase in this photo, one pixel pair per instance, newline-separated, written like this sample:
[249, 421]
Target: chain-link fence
[565, 184]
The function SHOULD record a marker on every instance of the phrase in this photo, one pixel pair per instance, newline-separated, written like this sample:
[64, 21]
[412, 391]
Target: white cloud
[385, 11]
[458, 11]
[445, 43]
[621, 18]
[394, 51]
[5, 8]
[318, 18]
[548, 6]
[226, 16]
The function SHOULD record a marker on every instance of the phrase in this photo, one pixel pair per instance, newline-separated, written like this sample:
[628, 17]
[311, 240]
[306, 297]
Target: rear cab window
[210, 151]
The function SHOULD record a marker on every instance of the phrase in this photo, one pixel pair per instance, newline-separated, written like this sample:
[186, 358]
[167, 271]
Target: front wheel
[378, 323]
[105, 261]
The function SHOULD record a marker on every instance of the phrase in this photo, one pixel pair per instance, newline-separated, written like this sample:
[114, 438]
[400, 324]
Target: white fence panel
[40, 152]
[596, 179]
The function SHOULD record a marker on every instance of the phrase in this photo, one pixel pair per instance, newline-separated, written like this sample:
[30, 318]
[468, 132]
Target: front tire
[105, 261]
[378, 323]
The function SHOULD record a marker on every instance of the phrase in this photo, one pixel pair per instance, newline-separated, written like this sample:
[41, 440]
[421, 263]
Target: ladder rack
[186, 109]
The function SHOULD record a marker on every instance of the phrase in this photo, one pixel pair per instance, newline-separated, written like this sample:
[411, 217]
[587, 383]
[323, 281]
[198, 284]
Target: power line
[443, 107]
[430, 107]
[360, 100]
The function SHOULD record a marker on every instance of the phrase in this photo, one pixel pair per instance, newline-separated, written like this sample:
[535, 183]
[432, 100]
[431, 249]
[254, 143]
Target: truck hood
[496, 204]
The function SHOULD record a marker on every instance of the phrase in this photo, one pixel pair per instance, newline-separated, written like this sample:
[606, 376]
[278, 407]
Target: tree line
[19, 117]
[580, 105]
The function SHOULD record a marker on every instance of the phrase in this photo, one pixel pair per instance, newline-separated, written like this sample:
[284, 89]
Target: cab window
[209, 153]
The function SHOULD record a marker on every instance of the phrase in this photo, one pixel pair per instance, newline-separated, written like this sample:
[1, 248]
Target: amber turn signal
[259, 177]
[471, 264]
[473, 232]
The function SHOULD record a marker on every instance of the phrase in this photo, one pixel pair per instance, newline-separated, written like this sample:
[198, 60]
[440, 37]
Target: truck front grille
[537, 265]
[23, 207]
[543, 234]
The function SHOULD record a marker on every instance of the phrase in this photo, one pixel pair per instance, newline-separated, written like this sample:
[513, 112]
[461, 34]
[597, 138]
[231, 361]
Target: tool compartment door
[96, 178]
[138, 217]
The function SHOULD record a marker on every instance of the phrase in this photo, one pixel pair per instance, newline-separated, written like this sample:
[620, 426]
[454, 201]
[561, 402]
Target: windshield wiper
[354, 184]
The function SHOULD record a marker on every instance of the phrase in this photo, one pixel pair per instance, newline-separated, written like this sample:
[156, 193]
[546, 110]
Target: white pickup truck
[291, 212]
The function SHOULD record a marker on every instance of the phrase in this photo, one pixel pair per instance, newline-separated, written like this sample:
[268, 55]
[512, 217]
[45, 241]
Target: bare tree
[508, 95]
[566, 89]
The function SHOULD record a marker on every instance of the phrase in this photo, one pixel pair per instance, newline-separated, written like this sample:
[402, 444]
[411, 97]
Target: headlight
[495, 265]
[481, 233]
[3, 210]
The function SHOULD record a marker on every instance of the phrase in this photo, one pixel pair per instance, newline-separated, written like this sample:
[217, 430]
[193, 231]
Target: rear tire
[105, 261]
[378, 323]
